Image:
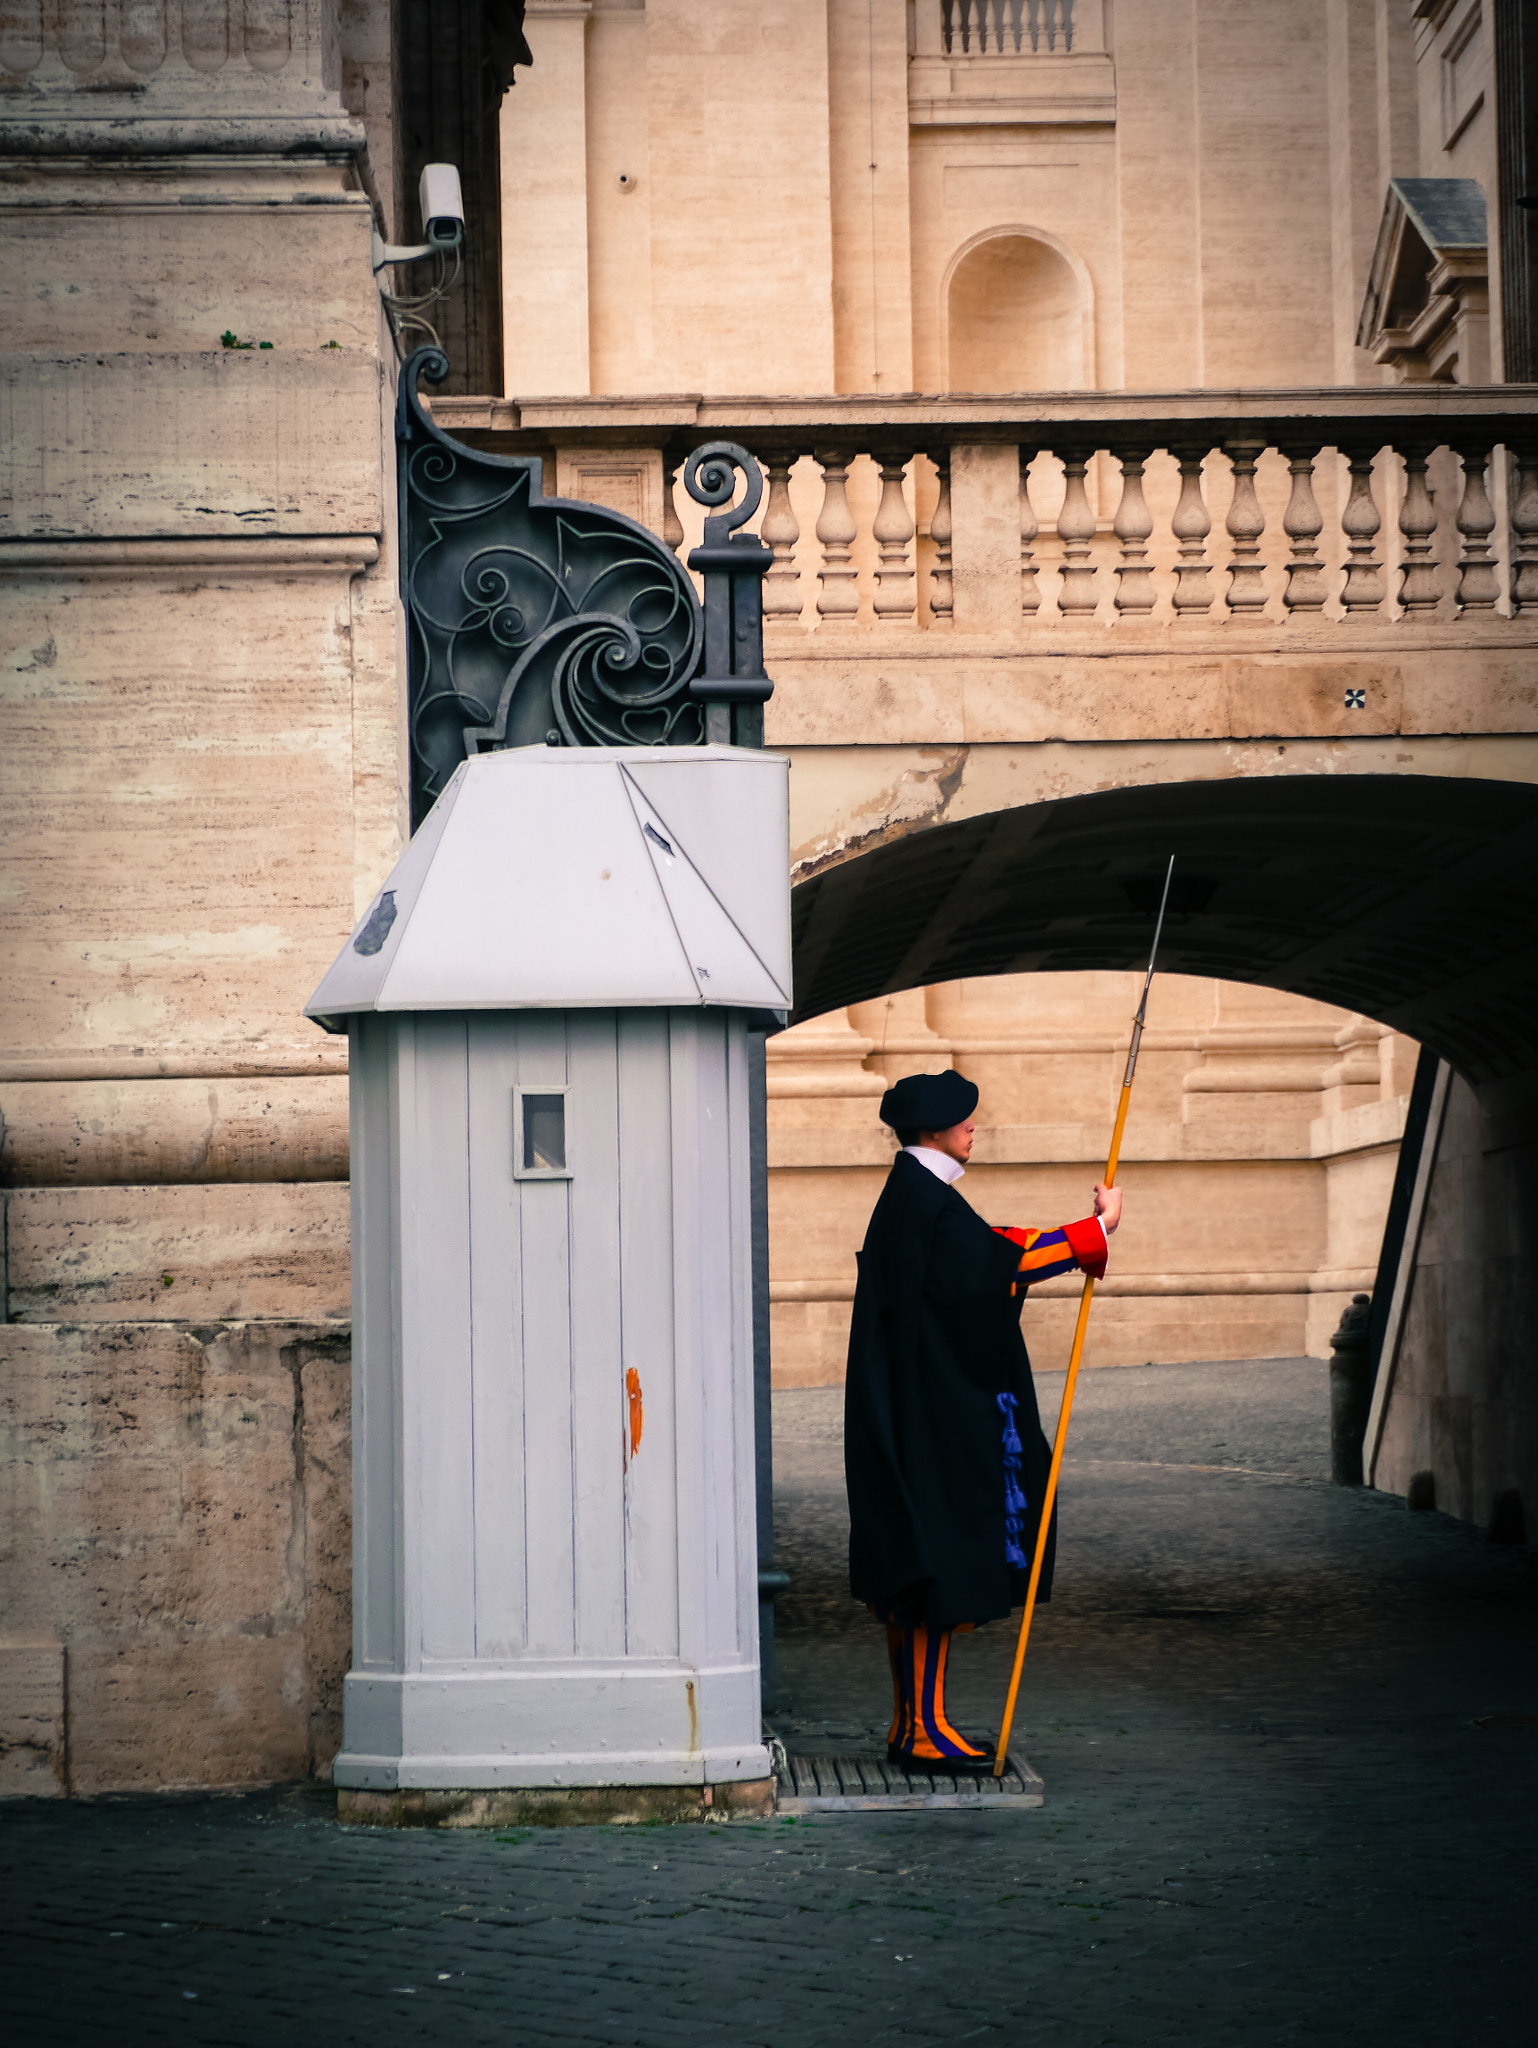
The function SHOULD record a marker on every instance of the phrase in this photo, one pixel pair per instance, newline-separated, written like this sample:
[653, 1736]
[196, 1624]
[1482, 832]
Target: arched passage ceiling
[1411, 898]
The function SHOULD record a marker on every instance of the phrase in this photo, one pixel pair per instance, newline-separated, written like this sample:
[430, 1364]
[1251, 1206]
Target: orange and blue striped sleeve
[1044, 1254]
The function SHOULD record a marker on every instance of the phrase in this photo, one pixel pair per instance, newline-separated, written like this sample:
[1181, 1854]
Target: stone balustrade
[1005, 28]
[1329, 509]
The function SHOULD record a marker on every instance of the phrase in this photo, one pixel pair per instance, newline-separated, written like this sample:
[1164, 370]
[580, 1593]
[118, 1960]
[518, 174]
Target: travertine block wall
[200, 770]
[1463, 1402]
[710, 266]
[1258, 1162]
[745, 197]
[178, 1563]
[196, 1253]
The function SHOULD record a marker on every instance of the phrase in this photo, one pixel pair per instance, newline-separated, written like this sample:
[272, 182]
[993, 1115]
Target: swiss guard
[944, 1454]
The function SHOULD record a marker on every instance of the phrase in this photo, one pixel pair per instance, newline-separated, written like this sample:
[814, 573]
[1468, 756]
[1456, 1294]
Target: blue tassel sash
[1015, 1503]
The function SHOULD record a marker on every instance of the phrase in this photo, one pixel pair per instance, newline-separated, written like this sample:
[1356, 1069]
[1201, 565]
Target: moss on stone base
[556, 1806]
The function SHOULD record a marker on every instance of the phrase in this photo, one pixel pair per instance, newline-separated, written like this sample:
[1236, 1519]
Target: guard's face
[956, 1142]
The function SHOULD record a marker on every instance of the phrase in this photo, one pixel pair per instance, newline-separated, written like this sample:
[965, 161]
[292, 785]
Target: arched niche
[1017, 314]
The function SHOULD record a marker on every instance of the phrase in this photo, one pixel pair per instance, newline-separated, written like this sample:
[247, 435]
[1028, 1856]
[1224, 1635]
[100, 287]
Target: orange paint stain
[637, 1417]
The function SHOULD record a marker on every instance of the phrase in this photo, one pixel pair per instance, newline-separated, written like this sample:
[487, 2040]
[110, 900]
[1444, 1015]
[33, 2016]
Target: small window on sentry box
[539, 1136]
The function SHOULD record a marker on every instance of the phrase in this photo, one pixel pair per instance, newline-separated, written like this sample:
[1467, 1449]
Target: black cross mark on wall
[1356, 700]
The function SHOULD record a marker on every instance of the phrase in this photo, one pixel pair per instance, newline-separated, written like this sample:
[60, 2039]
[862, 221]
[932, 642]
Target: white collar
[940, 1164]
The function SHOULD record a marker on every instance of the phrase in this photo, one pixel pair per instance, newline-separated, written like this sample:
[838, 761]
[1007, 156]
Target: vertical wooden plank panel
[496, 1324]
[741, 1587]
[724, 1274]
[646, 1326]
[691, 1328]
[544, 1250]
[408, 1389]
[598, 1390]
[375, 1380]
[438, 1360]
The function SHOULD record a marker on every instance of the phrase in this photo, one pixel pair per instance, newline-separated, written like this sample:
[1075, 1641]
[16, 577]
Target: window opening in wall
[540, 1134]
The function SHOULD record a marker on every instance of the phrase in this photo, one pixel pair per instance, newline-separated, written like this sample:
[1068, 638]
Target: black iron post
[731, 684]
[733, 688]
[1350, 1392]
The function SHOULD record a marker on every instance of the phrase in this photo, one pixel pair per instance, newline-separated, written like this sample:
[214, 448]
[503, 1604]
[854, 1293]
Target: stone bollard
[1350, 1392]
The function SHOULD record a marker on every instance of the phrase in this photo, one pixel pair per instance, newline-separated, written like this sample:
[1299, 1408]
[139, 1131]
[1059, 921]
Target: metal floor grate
[857, 1784]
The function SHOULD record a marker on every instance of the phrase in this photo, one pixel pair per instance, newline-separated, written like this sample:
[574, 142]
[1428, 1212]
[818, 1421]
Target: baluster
[672, 525]
[1191, 526]
[941, 595]
[1362, 590]
[1303, 523]
[1133, 524]
[1418, 524]
[1478, 581]
[838, 595]
[780, 531]
[896, 584]
[1524, 530]
[1030, 594]
[1076, 529]
[1246, 523]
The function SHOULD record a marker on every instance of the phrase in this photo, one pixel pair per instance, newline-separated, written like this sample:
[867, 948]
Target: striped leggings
[920, 1727]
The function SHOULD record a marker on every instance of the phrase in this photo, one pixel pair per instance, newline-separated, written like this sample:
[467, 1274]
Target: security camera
[443, 206]
[443, 219]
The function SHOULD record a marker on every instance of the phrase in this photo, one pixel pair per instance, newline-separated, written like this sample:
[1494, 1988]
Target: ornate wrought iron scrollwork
[534, 619]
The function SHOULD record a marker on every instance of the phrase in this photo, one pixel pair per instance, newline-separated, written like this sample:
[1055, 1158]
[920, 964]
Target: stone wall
[742, 197]
[1257, 1166]
[201, 779]
[1463, 1403]
[178, 1554]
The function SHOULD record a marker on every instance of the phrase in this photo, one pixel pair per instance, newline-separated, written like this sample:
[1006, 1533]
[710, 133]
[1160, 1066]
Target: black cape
[934, 1340]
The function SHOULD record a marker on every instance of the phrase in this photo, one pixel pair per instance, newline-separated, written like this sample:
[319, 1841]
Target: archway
[1410, 899]
[1018, 316]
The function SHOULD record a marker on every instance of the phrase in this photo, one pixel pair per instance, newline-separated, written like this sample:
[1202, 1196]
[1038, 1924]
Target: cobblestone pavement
[1290, 1741]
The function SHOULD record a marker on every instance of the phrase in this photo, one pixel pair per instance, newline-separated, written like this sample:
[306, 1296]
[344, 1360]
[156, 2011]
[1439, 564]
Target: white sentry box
[554, 1562]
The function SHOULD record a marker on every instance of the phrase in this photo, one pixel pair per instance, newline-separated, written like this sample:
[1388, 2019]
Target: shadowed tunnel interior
[1411, 898]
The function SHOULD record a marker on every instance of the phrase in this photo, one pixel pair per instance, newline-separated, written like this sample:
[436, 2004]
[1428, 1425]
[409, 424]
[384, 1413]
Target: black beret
[929, 1102]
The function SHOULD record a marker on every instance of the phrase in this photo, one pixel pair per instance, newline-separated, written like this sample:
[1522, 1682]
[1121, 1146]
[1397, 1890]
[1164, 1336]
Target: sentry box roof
[583, 878]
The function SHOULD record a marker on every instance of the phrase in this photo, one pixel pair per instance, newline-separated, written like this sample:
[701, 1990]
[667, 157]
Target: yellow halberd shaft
[1075, 1356]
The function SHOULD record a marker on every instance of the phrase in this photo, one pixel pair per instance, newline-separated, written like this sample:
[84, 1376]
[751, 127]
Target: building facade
[1135, 430]
[930, 196]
